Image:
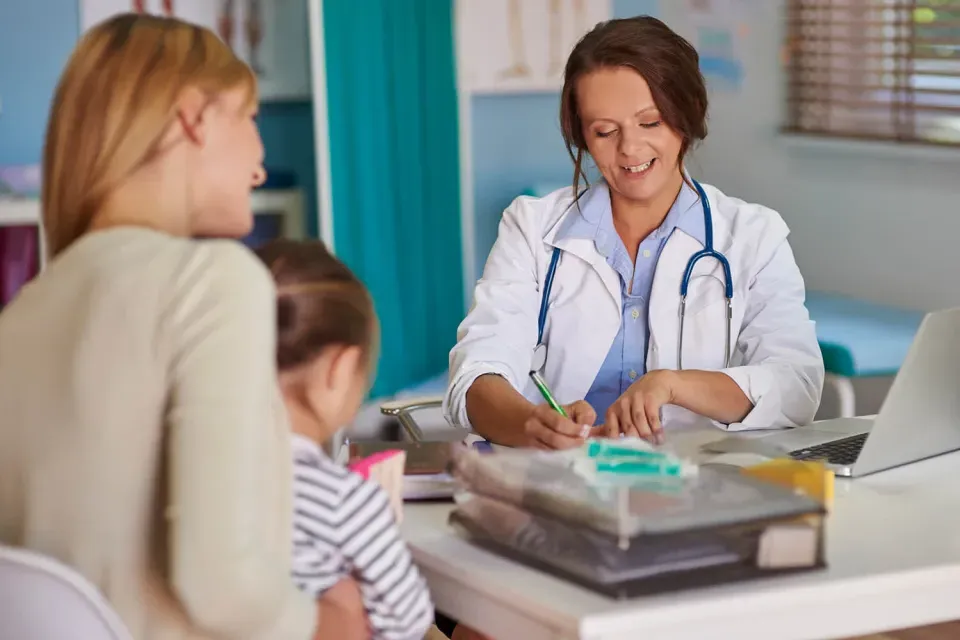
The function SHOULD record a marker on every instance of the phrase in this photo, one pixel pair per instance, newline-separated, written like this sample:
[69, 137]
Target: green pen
[545, 392]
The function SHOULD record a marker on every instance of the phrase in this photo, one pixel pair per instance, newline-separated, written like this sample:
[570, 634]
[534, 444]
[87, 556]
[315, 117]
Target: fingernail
[584, 432]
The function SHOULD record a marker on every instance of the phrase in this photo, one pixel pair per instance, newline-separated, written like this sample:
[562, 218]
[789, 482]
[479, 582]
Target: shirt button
[646, 253]
[632, 374]
[634, 314]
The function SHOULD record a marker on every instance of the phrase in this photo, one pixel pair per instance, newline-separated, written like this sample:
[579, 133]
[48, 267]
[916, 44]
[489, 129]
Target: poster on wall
[269, 35]
[515, 46]
[721, 29]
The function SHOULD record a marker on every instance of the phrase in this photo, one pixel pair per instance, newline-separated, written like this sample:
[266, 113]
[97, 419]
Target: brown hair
[114, 102]
[320, 302]
[669, 64]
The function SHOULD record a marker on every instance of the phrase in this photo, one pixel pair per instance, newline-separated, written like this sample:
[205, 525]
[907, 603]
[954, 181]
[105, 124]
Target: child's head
[326, 332]
[151, 110]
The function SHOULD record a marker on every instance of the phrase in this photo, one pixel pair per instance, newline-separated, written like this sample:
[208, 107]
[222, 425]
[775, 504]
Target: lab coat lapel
[573, 365]
[586, 250]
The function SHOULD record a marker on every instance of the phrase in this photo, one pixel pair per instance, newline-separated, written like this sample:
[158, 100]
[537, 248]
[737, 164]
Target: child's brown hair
[320, 302]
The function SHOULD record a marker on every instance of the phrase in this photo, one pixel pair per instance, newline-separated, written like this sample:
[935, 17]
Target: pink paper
[364, 465]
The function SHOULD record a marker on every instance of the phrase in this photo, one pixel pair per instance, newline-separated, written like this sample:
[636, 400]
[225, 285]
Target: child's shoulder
[327, 481]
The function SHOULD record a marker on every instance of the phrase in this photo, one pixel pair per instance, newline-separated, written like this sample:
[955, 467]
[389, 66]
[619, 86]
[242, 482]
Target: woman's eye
[606, 134]
[651, 125]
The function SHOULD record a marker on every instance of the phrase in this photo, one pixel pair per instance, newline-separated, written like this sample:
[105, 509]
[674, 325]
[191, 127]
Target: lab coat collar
[590, 217]
[585, 247]
[578, 231]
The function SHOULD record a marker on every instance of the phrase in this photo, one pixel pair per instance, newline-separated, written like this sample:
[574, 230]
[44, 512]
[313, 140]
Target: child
[343, 524]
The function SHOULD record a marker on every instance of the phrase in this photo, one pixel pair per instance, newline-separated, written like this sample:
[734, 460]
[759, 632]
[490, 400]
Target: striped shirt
[343, 525]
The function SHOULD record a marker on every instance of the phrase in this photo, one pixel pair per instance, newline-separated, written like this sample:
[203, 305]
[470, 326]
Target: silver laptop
[920, 417]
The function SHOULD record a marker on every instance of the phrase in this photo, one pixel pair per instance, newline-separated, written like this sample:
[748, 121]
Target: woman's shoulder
[188, 283]
[222, 263]
[220, 270]
[738, 217]
[541, 208]
[123, 253]
[531, 218]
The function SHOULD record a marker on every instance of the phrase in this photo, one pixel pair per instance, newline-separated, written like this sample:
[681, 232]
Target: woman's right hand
[547, 429]
[342, 614]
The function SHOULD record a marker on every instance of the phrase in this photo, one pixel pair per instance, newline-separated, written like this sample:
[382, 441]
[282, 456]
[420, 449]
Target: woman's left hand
[637, 411]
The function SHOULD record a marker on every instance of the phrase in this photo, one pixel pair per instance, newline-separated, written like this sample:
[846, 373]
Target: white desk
[893, 549]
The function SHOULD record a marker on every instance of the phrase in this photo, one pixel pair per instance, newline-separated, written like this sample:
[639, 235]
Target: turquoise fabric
[392, 108]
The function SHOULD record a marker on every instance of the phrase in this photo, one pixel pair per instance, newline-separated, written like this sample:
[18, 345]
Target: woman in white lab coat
[634, 102]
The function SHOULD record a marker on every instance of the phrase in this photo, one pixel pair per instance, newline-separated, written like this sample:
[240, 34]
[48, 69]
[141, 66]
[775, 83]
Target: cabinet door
[270, 35]
[282, 58]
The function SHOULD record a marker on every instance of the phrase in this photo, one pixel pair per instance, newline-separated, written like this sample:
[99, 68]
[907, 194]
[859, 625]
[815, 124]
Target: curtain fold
[394, 151]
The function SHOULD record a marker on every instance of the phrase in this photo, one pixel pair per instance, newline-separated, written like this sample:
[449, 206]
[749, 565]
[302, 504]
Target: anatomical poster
[521, 45]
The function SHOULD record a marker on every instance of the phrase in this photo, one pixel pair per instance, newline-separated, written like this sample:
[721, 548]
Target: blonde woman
[142, 439]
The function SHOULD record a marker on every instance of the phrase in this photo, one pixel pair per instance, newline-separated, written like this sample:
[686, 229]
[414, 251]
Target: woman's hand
[547, 429]
[342, 614]
[462, 632]
[637, 411]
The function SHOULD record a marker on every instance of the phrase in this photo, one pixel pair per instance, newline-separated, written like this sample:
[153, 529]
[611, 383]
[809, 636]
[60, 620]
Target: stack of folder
[646, 534]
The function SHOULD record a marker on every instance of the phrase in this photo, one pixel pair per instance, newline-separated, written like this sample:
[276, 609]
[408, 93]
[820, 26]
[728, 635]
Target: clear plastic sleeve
[555, 485]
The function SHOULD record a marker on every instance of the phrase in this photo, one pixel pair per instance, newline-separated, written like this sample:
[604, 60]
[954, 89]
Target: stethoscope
[540, 352]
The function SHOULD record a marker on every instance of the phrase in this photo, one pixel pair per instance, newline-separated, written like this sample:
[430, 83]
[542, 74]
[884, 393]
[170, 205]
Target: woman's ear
[190, 112]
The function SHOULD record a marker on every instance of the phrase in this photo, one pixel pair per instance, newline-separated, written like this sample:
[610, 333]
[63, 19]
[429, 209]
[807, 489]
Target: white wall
[879, 224]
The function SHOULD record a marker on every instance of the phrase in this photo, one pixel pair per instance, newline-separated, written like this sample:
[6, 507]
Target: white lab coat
[775, 357]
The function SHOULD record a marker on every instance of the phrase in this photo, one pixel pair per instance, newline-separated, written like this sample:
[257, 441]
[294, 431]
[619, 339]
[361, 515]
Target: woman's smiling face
[635, 150]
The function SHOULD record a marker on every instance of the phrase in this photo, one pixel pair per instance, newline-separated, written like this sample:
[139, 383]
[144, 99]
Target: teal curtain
[392, 108]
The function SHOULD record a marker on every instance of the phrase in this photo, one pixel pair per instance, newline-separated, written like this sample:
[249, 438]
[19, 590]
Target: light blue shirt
[626, 361]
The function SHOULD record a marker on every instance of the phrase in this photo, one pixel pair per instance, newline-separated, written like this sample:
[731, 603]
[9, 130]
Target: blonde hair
[114, 102]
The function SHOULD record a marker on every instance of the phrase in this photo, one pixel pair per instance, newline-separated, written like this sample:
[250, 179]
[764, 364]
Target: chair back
[41, 598]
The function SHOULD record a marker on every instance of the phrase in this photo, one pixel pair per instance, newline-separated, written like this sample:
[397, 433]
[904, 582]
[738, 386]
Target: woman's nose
[259, 176]
[630, 141]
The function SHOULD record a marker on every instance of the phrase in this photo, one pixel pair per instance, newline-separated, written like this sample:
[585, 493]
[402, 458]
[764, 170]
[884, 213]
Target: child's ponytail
[320, 302]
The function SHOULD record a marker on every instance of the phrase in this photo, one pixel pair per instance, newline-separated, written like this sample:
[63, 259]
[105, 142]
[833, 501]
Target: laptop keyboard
[841, 452]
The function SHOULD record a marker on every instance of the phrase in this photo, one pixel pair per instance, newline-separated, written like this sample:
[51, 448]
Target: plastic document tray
[650, 563]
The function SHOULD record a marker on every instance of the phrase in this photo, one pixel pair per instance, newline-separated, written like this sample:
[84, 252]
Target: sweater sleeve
[229, 561]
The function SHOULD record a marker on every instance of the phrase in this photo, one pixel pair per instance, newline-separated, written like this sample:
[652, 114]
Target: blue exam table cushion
[861, 338]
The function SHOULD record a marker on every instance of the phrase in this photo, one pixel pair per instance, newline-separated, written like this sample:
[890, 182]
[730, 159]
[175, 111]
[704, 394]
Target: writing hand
[547, 429]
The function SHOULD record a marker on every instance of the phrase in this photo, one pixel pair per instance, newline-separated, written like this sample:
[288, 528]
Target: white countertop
[24, 211]
[893, 554]
[17, 211]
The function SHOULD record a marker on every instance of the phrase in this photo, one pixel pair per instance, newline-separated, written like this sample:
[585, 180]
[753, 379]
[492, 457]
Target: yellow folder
[812, 478]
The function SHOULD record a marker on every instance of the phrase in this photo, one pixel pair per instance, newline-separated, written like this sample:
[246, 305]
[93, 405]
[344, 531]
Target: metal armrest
[403, 407]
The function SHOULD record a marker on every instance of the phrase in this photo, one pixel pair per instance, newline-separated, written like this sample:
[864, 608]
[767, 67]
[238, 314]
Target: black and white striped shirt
[343, 525]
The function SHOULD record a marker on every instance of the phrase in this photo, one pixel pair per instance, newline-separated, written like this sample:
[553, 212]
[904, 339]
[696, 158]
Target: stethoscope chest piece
[539, 358]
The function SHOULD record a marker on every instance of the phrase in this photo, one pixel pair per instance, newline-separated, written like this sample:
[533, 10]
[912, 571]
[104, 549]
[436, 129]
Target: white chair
[40, 598]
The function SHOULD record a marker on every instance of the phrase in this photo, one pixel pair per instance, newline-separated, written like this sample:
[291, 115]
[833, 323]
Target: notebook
[425, 470]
